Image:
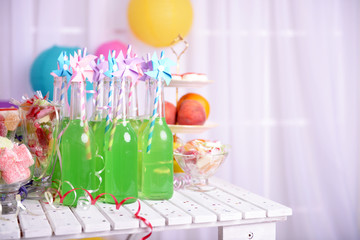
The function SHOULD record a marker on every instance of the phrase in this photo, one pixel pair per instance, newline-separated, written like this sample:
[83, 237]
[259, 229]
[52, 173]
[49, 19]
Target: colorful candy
[15, 161]
[12, 120]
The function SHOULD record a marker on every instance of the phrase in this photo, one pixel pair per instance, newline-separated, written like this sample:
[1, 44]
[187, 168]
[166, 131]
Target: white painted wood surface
[34, 222]
[235, 211]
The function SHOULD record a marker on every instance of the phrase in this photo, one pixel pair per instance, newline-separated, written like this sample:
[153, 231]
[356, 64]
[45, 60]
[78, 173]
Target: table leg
[265, 231]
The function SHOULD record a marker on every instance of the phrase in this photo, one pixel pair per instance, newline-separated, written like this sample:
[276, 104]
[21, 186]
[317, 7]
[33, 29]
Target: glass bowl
[200, 166]
[40, 126]
[16, 161]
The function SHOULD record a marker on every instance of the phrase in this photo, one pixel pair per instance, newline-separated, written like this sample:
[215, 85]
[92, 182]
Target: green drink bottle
[60, 97]
[98, 124]
[121, 153]
[78, 165]
[145, 120]
[157, 163]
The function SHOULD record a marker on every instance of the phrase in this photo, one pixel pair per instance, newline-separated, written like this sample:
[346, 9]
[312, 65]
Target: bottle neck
[59, 90]
[119, 98]
[132, 107]
[60, 96]
[76, 101]
[102, 98]
[158, 95]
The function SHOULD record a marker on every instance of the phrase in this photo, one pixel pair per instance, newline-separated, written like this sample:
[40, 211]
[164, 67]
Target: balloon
[159, 22]
[43, 65]
[112, 45]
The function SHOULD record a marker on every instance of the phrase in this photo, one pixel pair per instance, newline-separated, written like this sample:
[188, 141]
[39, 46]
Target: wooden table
[238, 214]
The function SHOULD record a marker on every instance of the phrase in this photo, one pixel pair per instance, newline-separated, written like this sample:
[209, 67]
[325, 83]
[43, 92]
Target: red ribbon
[117, 204]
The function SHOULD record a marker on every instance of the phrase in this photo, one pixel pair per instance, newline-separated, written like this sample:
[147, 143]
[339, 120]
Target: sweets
[15, 161]
[199, 157]
[40, 120]
[9, 121]
[190, 76]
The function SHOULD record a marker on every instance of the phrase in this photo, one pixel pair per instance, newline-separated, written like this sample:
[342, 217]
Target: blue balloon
[44, 64]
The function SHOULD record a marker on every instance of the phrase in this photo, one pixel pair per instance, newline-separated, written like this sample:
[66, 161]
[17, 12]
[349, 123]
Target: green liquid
[56, 177]
[76, 168]
[121, 164]
[157, 166]
[140, 156]
[135, 124]
[98, 128]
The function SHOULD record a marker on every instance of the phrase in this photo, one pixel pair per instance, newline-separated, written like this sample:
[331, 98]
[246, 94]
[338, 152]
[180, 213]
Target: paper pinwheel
[64, 69]
[127, 66]
[146, 66]
[113, 67]
[99, 68]
[81, 68]
[161, 68]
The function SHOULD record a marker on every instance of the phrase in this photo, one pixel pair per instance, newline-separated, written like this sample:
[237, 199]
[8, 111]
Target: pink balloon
[112, 45]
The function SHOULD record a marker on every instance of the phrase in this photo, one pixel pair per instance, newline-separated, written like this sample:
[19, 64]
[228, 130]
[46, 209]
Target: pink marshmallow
[7, 159]
[15, 174]
[24, 157]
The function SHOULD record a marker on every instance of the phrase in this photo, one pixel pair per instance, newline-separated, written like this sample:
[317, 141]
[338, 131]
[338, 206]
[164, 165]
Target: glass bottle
[98, 123]
[121, 155]
[149, 90]
[157, 164]
[60, 98]
[78, 166]
[132, 107]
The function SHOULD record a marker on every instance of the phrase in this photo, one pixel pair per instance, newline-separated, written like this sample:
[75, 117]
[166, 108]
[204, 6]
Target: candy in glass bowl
[200, 159]
[16, 163]
[40, 120]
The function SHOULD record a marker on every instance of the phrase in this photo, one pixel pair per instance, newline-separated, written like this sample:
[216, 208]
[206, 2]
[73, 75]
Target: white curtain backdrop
[285, 96]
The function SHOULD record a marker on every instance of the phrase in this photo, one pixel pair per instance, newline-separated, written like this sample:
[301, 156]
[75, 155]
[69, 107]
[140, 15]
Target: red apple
[170, 113]
[191, 112]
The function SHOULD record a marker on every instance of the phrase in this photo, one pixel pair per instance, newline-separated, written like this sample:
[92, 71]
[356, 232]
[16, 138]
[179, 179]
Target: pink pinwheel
[81, 67]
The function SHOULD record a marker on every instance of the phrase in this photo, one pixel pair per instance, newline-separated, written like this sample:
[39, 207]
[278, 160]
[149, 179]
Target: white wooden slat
[248, 210]
[62, 220]
[119, 219]
[273, 209]
[173, 214]
[33, 222]
[199, 213]
[9, 228]
[91, 219]
[223, 211]
[148, 213]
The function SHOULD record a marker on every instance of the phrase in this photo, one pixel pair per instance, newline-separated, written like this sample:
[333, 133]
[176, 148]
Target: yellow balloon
[159, 22]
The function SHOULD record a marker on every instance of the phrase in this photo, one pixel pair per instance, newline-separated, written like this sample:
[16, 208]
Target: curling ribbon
[91, 200]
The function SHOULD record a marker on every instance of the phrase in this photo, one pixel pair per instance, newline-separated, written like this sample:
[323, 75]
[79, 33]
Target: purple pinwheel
[146, 66]
[64, 69]
[99, 68]
[127, 66]
[161, 68]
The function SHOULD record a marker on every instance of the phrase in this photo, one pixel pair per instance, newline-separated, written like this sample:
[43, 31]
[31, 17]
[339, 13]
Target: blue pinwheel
[161, 68]
[64, 69]
[113, 67]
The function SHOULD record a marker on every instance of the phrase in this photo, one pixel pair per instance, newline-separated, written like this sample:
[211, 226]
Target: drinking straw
[160, 72]
[112, 69]
[154, 113]
[118, 113]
